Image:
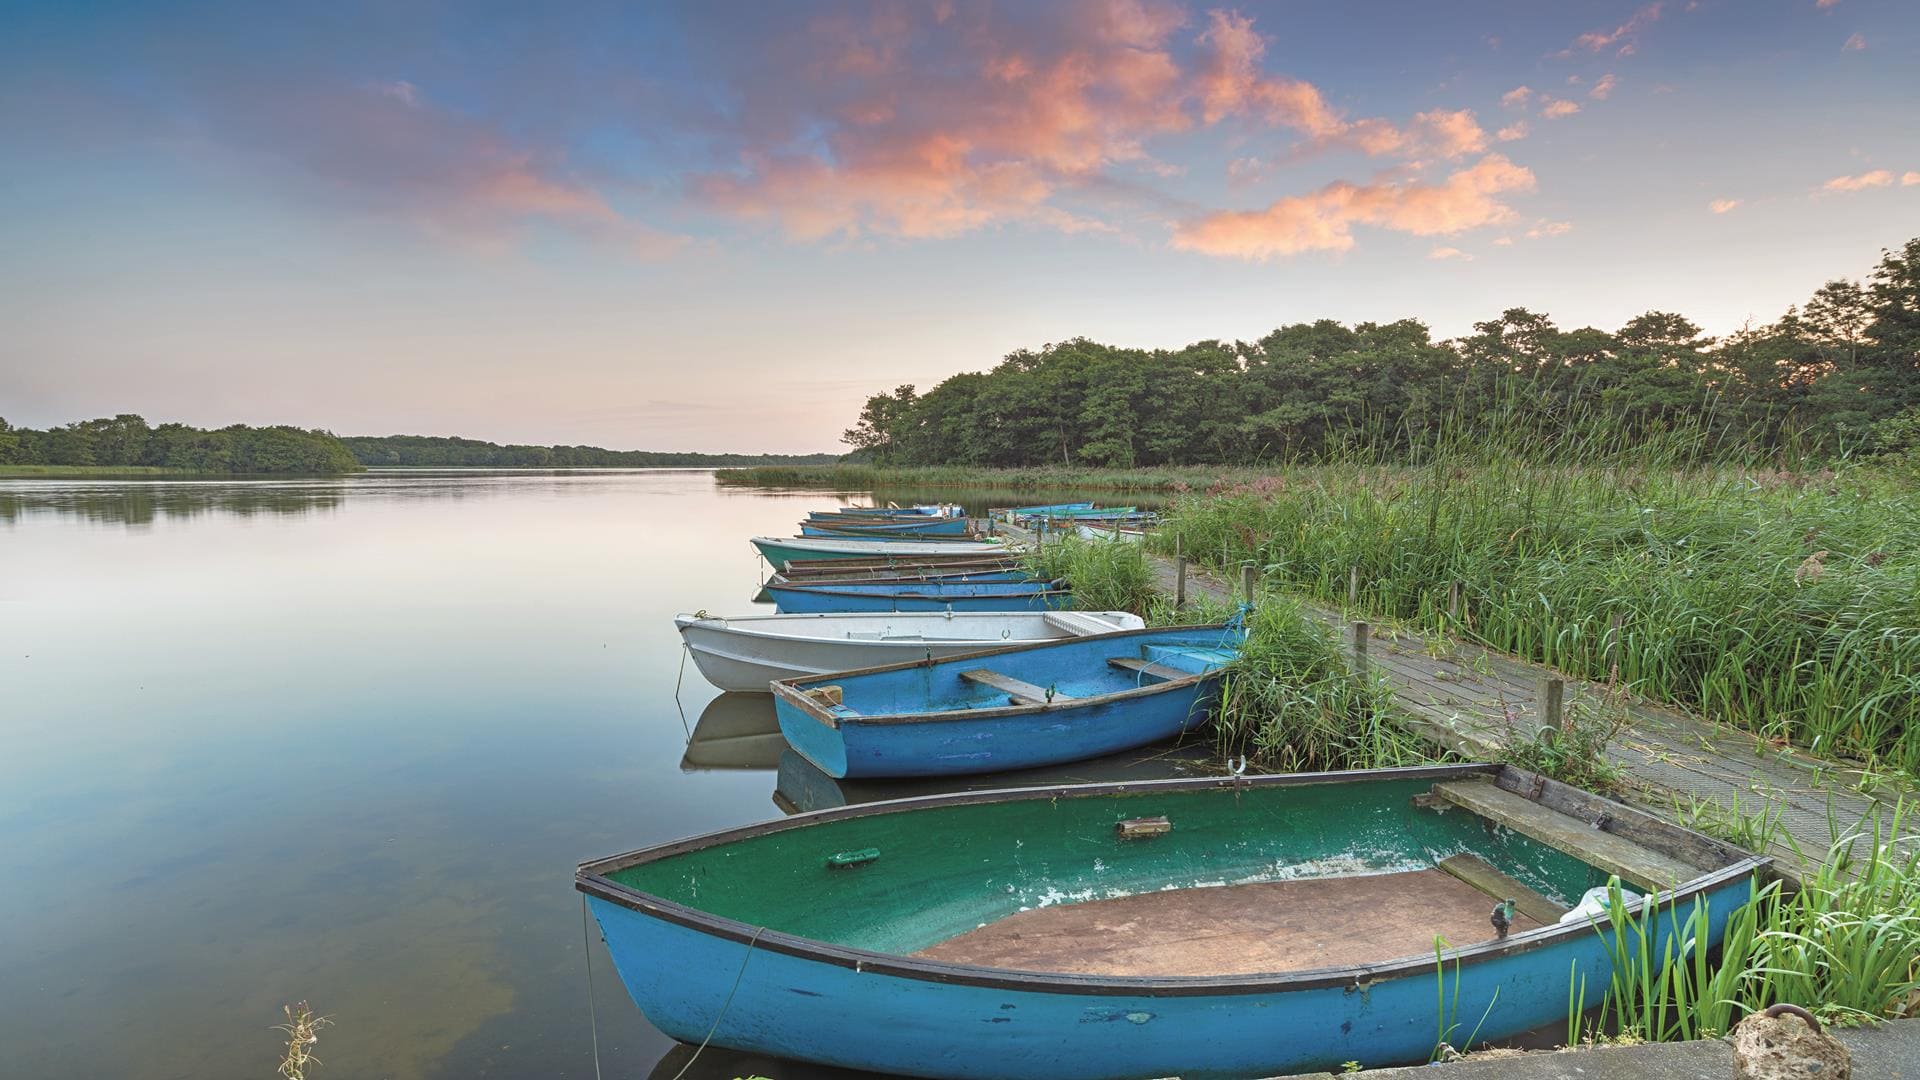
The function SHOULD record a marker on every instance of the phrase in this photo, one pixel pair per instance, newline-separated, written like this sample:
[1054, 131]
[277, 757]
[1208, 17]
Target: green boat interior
[1234, 879]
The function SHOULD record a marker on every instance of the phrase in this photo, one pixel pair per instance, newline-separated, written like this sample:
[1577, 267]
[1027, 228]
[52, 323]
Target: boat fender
[841, 860]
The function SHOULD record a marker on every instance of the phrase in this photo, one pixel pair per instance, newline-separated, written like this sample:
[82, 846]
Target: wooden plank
[1022, 693]
[1636, 865]
[1148, 668]
[1637, 826]
[1484, 876]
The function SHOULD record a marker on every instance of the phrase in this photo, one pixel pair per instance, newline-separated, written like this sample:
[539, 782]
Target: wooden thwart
[1148, 668]
[1484, 876]
[1022, 693]
[1634, 864]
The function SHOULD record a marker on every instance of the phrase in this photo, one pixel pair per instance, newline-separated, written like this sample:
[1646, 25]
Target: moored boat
[932, 529]
[912, 564]
[1010, 708]
[778, 551]
[1008, 513]
[745, 653]
[1111, 532]
[919, 595]
[1222, 927]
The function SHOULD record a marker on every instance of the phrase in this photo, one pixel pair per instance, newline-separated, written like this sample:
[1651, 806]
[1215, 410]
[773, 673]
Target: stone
[1785, 1042]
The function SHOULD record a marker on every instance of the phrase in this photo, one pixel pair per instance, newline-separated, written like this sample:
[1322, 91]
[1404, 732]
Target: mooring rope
[725, 1005]
[586, 953]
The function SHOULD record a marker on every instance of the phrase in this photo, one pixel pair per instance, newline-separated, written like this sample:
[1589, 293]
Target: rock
[1785, 1042]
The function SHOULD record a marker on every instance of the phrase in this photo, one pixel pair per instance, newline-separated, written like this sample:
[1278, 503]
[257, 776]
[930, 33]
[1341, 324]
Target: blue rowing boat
[918, 595]
[1014, 708]
[927, 529]
[1216, 927]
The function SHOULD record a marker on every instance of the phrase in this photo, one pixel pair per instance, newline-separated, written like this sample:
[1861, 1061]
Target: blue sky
[719, 228]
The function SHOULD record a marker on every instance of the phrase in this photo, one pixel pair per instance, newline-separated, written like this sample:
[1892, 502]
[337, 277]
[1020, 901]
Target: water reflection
[735, 731]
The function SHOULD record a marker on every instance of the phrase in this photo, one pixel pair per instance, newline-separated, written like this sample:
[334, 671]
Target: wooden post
[1453, 601]
[1248, 577]
[1353, 587]
[1179, 582]
[1361, 632]
[1553, 701]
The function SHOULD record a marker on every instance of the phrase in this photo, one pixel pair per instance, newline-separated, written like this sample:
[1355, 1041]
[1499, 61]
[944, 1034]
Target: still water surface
[344, 740]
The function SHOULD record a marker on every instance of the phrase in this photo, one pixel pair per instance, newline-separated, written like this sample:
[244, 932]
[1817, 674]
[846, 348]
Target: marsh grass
[1292, 703]
[1785, 603]
[853, 477]
[1574, 754]
[1845, 945]
[1105, 576]
[303, 1034]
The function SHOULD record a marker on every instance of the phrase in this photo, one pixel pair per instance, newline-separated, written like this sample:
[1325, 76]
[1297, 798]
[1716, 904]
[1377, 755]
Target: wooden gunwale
[590, 878]
[789, 689]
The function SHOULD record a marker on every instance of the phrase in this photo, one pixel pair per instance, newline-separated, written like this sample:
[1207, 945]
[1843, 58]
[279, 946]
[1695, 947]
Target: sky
[720, 226]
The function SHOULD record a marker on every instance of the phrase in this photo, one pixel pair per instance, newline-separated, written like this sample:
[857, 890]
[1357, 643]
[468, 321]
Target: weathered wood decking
[1470, 700]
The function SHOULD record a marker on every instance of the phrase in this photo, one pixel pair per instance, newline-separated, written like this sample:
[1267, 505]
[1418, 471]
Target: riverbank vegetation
[1814, 382]
[436, 452]
[126, 443]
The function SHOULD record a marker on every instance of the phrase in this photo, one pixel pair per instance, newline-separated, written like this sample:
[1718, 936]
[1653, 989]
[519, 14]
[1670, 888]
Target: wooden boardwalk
[1471, 700]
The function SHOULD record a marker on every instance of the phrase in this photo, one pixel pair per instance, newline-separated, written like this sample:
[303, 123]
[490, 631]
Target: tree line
[429, 450]
[1825, 378]
[127, 440]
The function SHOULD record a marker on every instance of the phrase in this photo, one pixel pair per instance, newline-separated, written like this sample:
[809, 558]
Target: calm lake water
[344, 740]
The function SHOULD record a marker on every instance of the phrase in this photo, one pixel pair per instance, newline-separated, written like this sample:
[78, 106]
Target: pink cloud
[1516, 97]
[1323, 220]
[1556, 108]
[1604, 88]
[1449, 253]
[1549, 228]
[1909, 179]
[1825, 4]
[1856, 43]
[1874, 179]
[886, 125]
[1512, 132]
[1721, 206]
[1594, 41]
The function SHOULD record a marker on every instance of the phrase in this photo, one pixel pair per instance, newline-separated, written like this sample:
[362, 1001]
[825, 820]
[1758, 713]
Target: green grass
[1169, 479]
[1845, 945]
[1786, 604]
[1105, 576]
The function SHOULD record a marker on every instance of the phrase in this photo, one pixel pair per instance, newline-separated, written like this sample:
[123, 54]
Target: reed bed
[1845, 946]
[1785, 603]
[1105, 576]
[1171, 478]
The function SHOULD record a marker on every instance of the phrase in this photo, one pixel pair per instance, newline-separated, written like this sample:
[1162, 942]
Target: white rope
[725, 1005]
[586, 952]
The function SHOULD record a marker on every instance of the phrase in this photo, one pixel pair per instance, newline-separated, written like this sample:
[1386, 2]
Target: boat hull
[935, 528]
[697, 975]
[779, 552]
[931, 597]
[732, 656]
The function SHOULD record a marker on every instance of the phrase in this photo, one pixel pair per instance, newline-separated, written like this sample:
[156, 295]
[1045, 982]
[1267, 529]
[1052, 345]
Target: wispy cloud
[1512, 132]
[1324, 220]
[1449, 253]
[1620, 37]
[1721, 206]
[1874, 179]
[1556, 108]
[1909, 179]
[1856, 43]
[1517, 97]
[1604, 88]
[1549, 228]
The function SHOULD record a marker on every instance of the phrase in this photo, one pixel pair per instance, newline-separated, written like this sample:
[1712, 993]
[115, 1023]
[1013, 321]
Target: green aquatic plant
[303, 1034]
[1292, 702]
[1104, 575]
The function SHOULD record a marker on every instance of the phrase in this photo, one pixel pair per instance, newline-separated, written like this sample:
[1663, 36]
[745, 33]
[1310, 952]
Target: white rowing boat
[746, 652]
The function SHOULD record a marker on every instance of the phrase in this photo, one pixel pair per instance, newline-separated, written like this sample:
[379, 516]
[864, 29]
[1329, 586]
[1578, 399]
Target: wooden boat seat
[1486, 877]
[1148, 668]
[1238, 929]
[1022, 693]
[1078, 623]
[1636, 865]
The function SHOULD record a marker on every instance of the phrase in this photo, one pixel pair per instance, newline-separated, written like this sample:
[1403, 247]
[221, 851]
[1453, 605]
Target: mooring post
[1179, 583]
[1453, 601]
[1553, 699]
[1361, 632]
[1353, 587]
[1248, 576]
